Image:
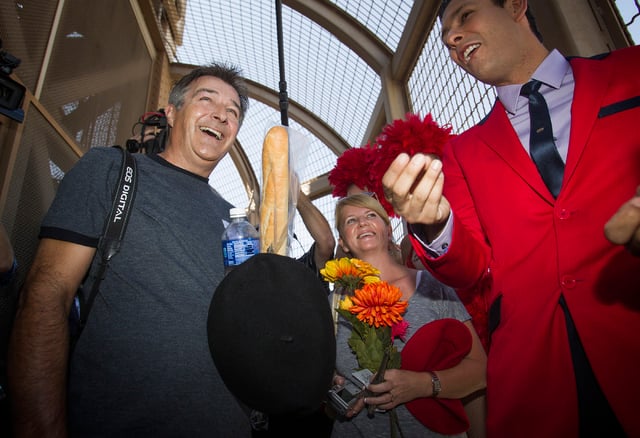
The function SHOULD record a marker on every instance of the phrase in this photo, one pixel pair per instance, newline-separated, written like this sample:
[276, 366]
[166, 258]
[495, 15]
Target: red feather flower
[352, 167]
[412, 136]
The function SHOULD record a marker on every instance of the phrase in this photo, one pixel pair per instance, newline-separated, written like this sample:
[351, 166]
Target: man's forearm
[460, 265]
[37, 369]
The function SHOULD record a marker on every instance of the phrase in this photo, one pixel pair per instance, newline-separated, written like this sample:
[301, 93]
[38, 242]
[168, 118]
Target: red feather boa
[351, 168]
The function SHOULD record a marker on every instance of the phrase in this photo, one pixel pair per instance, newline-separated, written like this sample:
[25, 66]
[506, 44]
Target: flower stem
[394, 424]
[379, 378]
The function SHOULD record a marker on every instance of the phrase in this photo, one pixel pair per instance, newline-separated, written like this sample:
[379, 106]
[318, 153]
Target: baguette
[274, 208]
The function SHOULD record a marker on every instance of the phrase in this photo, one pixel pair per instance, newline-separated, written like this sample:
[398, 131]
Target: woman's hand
[356, 405]
[399, 387]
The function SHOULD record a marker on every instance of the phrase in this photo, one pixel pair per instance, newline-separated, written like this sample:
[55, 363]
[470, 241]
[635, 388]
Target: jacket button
[564, 214]
[568, 282]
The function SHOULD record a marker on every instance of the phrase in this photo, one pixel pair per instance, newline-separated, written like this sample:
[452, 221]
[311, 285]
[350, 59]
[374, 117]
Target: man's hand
[414, 187]
[624, 226]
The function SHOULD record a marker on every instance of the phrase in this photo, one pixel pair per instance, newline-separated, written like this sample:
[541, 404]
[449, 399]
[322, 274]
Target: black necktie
[542, 148]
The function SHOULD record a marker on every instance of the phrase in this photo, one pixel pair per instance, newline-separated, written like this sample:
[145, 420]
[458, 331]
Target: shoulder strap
[114, 229]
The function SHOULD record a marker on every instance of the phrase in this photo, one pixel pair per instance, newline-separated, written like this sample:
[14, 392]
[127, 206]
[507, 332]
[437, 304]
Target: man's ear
[170, 112]
[517, 9]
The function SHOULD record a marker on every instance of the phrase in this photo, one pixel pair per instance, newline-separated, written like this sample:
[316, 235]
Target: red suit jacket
[509, 229]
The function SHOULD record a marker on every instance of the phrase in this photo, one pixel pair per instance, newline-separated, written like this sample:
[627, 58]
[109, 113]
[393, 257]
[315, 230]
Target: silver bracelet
[436, 386]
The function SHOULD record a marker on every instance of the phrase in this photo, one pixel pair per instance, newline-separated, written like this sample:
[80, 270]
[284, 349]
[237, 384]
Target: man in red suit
[565, 301]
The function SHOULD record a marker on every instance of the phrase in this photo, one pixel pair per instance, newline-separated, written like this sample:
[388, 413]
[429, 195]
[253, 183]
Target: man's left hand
[624, 226]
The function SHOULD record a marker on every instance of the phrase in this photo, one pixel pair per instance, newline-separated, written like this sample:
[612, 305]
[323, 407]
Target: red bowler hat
[438, 345]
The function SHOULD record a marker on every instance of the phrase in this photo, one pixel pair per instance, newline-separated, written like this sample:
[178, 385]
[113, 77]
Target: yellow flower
[368, 273]
[349, 273]
[346, 303]
[378, 304]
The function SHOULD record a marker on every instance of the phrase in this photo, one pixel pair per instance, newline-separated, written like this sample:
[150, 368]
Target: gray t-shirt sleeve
[84, 198]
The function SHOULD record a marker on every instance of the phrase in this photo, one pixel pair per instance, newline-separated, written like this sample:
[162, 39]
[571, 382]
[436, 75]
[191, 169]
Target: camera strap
[114, 229]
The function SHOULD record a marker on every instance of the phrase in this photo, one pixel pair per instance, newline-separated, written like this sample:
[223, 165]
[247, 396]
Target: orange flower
[378, 304]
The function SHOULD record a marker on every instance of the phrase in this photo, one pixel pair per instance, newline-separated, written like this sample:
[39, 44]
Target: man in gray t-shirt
[142, 366]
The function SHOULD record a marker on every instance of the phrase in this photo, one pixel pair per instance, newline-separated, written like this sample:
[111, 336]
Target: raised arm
[318, 227]
[39, 346]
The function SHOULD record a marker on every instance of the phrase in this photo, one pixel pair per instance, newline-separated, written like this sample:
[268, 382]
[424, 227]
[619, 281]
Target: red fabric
[475, 301]
[352, 167]
[534, 248]
[411, 135]
[366, 165]
[438, 345]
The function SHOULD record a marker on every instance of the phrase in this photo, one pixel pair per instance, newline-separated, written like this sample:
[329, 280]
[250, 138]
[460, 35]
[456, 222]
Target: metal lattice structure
[91, 68]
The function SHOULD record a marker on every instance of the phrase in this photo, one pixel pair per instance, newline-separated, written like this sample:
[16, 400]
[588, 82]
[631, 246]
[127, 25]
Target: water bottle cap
[237, 212]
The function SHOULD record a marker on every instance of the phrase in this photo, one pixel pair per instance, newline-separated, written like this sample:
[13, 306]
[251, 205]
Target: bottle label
[237, 251]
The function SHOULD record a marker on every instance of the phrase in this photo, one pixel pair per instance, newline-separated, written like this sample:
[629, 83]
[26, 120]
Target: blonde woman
[364, 232]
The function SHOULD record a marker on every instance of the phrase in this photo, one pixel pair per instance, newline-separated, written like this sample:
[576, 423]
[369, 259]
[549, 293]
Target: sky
[628, 9]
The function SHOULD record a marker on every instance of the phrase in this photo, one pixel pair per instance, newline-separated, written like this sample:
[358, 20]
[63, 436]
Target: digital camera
[342, 397]
[157, 121]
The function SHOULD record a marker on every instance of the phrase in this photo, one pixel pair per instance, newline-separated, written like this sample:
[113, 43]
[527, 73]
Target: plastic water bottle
[240, 240]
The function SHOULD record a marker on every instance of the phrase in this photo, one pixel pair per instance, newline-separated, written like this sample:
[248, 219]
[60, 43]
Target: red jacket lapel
[498, 134]
[591, 79]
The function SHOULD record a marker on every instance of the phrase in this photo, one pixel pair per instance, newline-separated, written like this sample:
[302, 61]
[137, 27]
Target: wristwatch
[436, 387]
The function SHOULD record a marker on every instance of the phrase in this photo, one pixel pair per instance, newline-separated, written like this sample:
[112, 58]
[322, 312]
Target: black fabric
[8, 305]
[315, 425]
[271, 336]
[68, 236]
[494, 314]
[595, 414]
[542, 148]
[308, 259]
[7, 277]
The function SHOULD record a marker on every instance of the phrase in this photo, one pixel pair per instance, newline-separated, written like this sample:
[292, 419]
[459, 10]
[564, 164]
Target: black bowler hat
[271, 335]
